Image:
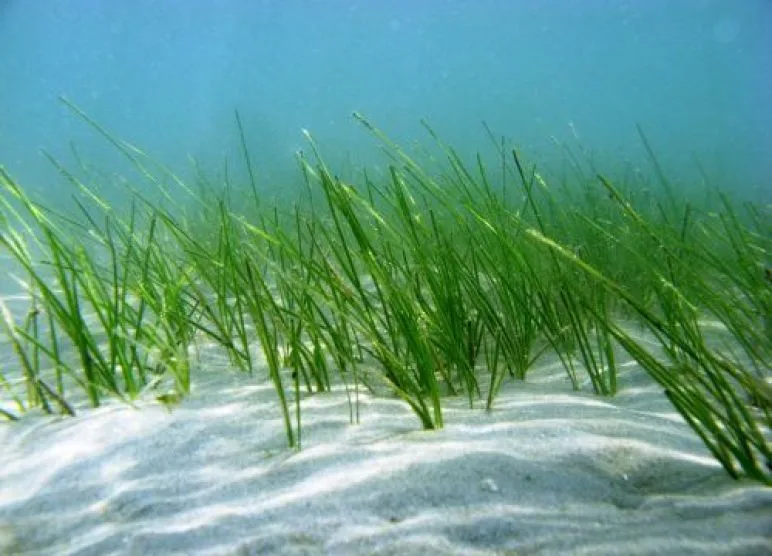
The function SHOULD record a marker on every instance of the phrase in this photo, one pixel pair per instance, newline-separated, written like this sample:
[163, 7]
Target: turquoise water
[167, 75]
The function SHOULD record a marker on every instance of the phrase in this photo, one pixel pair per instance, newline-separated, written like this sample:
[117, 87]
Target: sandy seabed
[548, 471]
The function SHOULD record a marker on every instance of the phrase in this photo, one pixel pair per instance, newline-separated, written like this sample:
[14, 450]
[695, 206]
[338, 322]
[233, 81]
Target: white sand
[548, 472]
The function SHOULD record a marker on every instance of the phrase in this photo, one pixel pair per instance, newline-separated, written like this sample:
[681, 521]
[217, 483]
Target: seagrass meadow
[422, 281]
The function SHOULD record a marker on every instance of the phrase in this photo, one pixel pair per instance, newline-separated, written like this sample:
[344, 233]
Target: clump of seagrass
[449, 280]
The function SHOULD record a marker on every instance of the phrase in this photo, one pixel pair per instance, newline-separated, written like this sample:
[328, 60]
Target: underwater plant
[422, 281]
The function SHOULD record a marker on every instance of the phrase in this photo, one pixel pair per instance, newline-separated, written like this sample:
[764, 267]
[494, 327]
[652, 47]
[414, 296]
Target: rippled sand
[548, 471]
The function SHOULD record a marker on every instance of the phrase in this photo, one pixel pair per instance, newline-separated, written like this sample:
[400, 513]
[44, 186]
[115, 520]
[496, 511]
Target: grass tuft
[425, 280]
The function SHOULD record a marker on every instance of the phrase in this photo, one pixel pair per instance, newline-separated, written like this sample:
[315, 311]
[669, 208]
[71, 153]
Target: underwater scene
[399, 277]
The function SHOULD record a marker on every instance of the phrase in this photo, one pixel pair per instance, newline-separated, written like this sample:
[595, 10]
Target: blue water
[168, 74]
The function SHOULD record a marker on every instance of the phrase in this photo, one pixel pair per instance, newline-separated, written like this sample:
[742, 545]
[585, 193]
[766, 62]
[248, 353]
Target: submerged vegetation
[426, 281]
